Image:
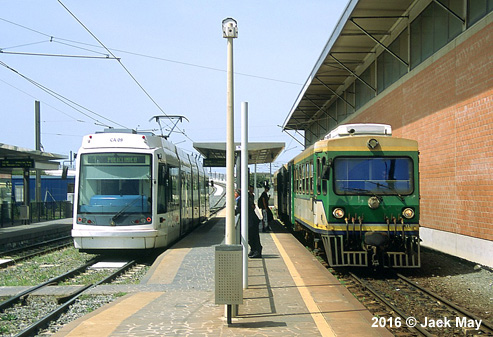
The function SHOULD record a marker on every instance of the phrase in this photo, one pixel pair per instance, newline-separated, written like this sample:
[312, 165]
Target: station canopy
[258, 153]
[365, 26]
[14, 157]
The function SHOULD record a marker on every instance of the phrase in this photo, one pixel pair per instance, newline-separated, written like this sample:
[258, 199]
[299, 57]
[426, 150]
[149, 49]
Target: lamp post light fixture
[230, 32]
[230, 28]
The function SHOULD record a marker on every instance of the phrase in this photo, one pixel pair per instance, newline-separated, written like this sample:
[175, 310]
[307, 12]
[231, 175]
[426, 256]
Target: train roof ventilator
[346, 130]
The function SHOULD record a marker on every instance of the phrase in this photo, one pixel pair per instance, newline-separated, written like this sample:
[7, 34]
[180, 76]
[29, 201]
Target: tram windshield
[115, 183]
[373, 176]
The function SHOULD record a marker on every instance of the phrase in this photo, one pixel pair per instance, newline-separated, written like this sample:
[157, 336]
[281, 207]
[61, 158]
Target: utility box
[229, 274]
[23, 212]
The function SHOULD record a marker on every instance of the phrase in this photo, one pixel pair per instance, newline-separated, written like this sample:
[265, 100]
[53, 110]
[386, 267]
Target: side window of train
[325, 174]
[162, 189]
[311, 177]
[319, 176]
[296, 179]
[307, 187]
[174, 187]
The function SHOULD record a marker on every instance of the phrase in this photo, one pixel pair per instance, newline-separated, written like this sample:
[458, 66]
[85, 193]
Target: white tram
[135, 191]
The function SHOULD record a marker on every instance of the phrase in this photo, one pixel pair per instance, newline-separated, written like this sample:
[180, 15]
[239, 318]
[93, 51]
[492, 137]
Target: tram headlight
[408, 213]
[338, 213]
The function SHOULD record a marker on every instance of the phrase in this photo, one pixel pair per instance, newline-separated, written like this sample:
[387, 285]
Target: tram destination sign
[123, 158]
[17, 163]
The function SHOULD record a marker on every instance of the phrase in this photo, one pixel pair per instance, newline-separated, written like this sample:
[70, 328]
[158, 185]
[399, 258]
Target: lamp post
[230, 32]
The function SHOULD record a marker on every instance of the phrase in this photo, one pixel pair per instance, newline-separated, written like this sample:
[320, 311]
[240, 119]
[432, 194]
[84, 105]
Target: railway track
[407, 309]
[217, 199]
[392, 298]
[14, 256]
[52, 308]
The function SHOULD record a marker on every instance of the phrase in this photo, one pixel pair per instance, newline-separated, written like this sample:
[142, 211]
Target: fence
[17, 214]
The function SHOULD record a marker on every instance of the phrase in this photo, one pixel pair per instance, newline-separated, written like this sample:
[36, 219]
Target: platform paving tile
[271, 305]
[177, 296]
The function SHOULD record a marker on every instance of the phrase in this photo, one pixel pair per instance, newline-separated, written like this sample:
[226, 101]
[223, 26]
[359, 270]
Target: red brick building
[426, 68]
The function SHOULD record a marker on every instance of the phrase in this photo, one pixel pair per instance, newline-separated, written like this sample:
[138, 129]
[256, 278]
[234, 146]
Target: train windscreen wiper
[389, 188]
[356, 189]
[127, 206]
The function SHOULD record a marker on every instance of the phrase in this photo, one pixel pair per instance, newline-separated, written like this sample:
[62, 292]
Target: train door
[185, 201]
[195, 192]
[290, 191]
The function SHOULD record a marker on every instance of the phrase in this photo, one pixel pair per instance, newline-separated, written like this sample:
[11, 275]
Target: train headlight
[408, 213]
[373, 202]
[338, 213]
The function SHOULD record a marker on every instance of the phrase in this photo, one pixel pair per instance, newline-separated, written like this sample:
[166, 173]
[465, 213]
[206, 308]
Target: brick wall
[448, 108]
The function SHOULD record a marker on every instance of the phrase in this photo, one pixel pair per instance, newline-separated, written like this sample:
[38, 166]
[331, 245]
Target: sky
[172, 60]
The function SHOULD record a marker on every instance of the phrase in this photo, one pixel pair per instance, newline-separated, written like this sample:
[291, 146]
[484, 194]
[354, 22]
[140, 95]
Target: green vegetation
[43, 268]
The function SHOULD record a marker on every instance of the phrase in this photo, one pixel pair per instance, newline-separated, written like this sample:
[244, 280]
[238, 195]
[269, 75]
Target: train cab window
[115, 182]
[373, 176]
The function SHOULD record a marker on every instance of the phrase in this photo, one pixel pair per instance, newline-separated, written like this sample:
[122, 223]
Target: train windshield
[115, 183]
[373, 176]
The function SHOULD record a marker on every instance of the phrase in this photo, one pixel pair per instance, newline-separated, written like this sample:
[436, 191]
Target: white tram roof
[122, 138]
[346, 130]
[130, 139]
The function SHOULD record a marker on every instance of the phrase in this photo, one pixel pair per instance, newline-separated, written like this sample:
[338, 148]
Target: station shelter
[426, 68]
[258, 153]
[20, 161]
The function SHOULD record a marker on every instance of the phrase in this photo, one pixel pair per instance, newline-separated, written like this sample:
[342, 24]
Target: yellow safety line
[168, 266]
[104, 323]
[323, 326]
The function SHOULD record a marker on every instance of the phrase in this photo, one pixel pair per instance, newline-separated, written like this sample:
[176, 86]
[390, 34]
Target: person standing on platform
[237, 201]
[267, 216]
[253, 222]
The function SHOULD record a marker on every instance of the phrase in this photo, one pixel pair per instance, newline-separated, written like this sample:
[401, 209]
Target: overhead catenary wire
[51, 106]
[121, 63]
[55, 40]
[55, 55]
[78, 44]
[63, 99]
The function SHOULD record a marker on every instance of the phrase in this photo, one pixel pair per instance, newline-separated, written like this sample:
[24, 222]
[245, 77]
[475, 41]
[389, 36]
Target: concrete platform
[10, 236]
[289, 294]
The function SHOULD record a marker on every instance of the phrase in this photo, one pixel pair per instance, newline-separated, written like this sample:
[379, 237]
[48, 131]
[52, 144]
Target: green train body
[358, 191]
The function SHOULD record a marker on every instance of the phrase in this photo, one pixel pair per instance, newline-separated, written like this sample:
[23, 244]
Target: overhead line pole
[37, 128]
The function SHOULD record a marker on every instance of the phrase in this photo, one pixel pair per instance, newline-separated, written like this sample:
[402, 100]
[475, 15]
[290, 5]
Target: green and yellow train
[358, 191]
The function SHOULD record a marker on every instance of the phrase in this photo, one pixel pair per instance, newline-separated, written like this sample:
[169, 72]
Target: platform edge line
[323, 326]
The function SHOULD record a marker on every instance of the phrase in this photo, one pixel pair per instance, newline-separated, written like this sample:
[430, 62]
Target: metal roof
[258, 153]
[42, 160]
[365, 26]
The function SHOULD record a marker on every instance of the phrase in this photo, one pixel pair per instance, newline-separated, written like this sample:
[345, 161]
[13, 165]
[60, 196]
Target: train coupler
[374, 257]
